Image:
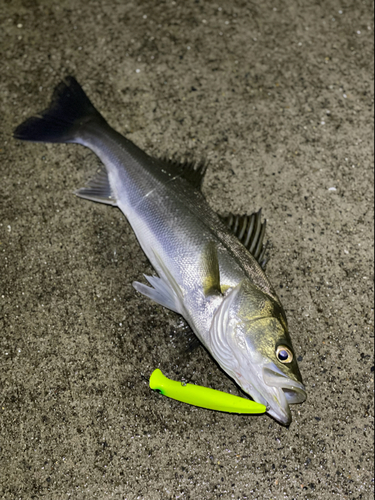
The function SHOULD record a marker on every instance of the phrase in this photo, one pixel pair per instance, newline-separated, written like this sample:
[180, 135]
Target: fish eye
[284, 354]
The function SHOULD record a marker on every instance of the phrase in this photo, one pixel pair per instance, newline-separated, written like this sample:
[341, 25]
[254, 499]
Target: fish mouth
[283, 391]
[275, 390]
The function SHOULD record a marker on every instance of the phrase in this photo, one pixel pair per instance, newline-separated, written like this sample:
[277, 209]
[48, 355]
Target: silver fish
[210, 269]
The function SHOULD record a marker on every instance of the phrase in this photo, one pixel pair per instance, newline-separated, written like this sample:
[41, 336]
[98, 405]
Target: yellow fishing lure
[203, 397]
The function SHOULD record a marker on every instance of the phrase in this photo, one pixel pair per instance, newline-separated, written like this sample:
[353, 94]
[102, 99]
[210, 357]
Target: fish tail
[64, 120]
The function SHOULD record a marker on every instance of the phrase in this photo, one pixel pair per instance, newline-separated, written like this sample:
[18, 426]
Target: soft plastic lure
[203, 396]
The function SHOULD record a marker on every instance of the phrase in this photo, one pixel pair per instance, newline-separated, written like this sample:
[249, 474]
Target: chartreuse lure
[202, 396]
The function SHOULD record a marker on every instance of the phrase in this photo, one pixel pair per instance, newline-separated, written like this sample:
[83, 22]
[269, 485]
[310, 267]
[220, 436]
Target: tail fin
[69, 110]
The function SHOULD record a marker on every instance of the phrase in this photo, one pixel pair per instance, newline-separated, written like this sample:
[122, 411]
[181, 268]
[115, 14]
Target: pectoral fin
[210, 270]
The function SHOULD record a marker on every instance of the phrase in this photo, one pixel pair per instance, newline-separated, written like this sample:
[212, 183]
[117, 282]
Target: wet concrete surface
[278, 96]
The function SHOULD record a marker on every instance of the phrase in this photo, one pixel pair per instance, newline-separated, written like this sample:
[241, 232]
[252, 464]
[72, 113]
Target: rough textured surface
[279, 97]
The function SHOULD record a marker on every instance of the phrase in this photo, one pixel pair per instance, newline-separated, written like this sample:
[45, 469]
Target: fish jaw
[266, 384]
[284, 391]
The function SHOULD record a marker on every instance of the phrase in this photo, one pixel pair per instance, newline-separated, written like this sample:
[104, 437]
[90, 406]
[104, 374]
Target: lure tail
[65, 120]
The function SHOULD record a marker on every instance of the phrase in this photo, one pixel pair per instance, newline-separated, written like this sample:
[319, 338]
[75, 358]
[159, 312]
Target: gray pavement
[278, 96]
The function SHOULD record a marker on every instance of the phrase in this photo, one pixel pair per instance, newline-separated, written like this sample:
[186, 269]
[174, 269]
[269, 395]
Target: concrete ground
[278, 96]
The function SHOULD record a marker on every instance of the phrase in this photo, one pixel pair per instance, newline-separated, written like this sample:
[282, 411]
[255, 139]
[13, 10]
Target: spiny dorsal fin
[250, 230]
[189, 170]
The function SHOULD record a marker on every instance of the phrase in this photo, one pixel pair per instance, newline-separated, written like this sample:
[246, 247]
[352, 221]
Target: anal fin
[98, 189]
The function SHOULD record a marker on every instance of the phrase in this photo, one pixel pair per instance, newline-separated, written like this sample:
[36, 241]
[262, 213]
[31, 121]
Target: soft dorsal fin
[192, 171]
[250, 230]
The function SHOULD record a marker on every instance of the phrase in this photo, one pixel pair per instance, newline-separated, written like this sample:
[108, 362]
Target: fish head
[249, 337]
